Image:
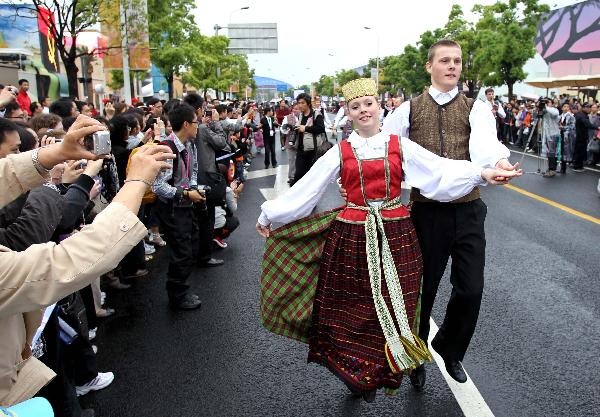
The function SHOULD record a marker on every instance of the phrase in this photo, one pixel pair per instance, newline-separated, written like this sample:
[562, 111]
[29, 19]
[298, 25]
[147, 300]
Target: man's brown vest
[443, 130]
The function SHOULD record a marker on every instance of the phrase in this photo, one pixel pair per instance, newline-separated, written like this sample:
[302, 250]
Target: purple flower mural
[569, 39]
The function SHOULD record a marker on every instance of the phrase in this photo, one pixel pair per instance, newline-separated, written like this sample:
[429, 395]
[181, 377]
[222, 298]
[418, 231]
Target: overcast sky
[310, 30]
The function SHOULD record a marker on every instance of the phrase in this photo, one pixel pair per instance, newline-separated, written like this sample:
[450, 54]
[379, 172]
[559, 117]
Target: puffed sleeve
[301, 199]
[438, 178]
[484, 148]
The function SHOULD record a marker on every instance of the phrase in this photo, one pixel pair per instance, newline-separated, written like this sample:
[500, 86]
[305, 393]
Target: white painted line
[467, 395]
[259, 173]
[539, 157]
[281, 185]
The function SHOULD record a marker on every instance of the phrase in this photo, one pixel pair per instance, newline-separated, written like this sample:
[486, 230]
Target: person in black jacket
[269, 124]
[583, 125]
[310, 127]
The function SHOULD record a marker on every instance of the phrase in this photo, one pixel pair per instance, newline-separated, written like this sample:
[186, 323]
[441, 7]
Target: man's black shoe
[187, 302]
[456, 371]
[213, 262]
[453, 366]
[417, 377]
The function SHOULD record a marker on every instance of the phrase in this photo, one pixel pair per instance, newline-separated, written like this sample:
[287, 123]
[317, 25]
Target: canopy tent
[567, 81]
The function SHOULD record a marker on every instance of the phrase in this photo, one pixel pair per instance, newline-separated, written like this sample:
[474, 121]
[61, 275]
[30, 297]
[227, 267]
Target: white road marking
[467, 395]
[540, 157]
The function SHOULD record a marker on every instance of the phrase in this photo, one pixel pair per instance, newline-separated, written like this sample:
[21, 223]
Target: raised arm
[445, 179]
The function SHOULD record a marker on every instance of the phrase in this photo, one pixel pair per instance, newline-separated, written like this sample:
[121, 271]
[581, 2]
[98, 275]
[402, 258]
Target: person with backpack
[311, 133]
[176, 191]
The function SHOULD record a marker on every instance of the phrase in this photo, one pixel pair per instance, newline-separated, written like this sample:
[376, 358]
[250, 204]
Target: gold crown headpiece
[359, 88]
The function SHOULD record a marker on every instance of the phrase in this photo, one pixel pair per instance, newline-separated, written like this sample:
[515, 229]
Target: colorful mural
[569, 39]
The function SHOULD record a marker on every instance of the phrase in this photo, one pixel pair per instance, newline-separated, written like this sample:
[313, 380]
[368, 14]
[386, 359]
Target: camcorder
[541, 104]
[98, 143]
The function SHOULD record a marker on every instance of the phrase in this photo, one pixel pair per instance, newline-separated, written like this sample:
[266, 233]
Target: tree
[115, 80]
[212, 66]
[345, 76]
[463, 32]
[69, 19]
[508, 31]
[325, 85]
[173, 32]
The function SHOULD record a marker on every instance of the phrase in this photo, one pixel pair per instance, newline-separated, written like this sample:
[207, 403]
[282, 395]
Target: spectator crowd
[187, 207]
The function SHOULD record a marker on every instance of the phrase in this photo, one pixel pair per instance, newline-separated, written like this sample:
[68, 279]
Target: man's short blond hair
[441, 42]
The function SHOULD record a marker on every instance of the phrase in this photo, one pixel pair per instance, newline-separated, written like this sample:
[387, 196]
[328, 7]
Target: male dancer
[451, 125]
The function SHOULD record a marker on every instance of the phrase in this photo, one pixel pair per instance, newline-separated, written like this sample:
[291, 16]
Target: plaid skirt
[345, 335]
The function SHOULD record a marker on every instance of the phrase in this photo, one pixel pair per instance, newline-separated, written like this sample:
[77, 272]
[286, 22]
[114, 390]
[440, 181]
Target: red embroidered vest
[370, 180]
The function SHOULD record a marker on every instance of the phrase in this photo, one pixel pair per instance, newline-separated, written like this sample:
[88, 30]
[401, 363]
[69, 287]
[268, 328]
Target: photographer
[210, 139]
[61, 269]
[549, 131]
[177, 191]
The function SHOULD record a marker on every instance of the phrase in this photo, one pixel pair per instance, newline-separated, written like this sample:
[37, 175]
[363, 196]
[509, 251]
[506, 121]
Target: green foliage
[345, 76]
[212, 66]
[116, 80]
[494, 49]
[325, 85]
[172, 32]
[506, 33]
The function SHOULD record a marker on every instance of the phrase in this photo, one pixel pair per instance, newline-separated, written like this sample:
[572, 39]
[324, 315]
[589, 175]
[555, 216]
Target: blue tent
[271, 83]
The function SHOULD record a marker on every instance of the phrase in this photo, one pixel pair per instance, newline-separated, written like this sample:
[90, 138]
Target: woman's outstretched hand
[264, 231]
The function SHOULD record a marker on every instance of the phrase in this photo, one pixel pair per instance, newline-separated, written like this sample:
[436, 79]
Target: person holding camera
[60, 269]
[177, 191]
[550, 134]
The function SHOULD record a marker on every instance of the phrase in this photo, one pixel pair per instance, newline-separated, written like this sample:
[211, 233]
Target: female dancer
[362, 314]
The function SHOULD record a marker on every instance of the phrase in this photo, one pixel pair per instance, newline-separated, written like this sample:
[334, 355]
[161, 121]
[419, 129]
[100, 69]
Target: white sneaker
[95, 349]
[156, 239]
[92, 334]
[103, 380]
[149, 249]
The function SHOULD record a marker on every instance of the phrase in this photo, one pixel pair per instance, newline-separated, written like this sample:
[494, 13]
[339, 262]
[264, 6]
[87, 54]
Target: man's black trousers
[270, 158]
[304, 162]
[180, 228]
[457, 231]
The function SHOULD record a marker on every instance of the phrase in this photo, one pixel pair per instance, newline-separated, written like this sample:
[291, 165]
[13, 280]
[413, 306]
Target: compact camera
[98, 143]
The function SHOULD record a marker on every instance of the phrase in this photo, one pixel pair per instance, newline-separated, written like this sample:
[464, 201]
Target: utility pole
[125, 49]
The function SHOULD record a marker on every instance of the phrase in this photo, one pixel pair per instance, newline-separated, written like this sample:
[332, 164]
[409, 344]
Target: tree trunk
[71, 69]
[510, 90]
[170, 85]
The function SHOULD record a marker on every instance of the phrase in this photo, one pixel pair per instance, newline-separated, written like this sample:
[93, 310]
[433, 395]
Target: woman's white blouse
[437, 178]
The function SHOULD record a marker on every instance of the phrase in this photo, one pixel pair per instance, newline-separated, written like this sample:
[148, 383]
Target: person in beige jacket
[44, 273]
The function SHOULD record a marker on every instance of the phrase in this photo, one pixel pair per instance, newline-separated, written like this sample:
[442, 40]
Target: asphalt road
[535, 351]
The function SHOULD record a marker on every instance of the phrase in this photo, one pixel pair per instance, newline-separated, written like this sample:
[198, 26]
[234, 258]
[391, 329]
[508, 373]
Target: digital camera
[98, 143]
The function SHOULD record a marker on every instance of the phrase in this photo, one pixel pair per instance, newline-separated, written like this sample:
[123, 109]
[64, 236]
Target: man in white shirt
[450, 125]
[340, 114]
[490, 102]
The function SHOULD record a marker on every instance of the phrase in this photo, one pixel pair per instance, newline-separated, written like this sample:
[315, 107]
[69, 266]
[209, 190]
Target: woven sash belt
[405, 350]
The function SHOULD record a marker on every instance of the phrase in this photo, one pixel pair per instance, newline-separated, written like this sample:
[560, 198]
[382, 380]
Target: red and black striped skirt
[346, 336]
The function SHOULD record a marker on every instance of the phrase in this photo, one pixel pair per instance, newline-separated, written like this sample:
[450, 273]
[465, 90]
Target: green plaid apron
[290, 274]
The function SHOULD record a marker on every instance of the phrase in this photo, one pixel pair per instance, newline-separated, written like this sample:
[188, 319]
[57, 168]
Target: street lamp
[237, 10]
[376, 34]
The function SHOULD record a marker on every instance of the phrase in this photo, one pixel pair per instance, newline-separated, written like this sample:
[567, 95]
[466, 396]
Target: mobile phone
[208, 113]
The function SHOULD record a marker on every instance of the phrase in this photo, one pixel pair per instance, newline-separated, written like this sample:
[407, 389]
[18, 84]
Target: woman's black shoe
[417, 377]
[369, 396]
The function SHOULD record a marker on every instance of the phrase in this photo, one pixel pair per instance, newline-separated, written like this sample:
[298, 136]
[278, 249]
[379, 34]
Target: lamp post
[377, 35]
[237, 10]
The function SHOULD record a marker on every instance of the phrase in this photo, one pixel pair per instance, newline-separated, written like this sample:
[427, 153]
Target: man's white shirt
[484, 148]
